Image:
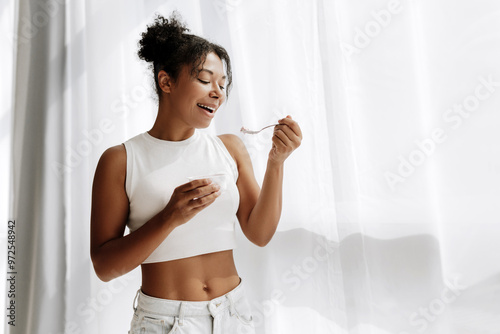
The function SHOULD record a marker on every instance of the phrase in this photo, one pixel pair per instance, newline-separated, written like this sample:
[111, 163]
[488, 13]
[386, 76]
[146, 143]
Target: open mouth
[207, 108]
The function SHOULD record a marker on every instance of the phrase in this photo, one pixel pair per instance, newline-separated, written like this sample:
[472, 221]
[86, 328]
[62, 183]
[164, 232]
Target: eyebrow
[212, 73]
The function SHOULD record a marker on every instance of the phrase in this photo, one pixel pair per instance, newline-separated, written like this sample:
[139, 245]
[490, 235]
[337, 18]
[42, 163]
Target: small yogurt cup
[219, 178]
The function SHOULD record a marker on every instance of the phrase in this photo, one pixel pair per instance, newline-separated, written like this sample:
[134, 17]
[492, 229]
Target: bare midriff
[198, 278]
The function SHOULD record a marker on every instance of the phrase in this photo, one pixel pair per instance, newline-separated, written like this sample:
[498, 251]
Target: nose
[217, 93]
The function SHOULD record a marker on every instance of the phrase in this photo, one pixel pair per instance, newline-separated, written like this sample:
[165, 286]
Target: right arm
[112, 253]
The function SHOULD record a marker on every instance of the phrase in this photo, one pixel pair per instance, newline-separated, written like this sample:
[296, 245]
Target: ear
[165, 81]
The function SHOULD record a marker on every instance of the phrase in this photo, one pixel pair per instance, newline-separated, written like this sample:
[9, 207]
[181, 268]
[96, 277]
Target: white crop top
[155, 167]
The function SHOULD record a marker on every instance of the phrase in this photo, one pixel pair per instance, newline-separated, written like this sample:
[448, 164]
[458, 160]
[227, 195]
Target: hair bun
[160, 38]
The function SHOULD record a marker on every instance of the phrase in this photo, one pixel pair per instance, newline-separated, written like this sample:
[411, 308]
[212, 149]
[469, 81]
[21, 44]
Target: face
[196, 98]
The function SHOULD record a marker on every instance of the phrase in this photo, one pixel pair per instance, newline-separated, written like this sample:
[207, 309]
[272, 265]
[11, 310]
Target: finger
[296, 140]
[293, 125]
[289, 133]
[205, 200]
[203, 191]
[278, 141]
[186, 187]
[280, 132]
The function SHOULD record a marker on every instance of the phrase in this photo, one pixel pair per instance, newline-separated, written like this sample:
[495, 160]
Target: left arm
[260, 210]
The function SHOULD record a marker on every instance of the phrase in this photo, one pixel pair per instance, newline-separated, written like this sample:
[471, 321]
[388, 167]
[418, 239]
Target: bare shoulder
[238, 151]
[112, 165]
[115, 152]
[115, 157]
[234, 145]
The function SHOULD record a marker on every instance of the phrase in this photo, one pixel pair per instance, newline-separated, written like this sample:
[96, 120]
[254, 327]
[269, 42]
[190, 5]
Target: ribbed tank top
[155, 167]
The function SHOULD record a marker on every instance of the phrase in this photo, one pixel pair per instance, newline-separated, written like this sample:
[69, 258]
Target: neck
[169, 126]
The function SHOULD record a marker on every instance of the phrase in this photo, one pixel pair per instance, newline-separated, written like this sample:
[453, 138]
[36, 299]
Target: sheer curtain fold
[388, 221]
[38, 193]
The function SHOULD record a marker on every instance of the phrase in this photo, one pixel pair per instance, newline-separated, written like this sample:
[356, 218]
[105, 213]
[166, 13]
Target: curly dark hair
[168, 47]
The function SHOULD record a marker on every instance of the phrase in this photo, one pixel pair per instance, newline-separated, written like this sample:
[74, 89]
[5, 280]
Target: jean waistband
[182, 308]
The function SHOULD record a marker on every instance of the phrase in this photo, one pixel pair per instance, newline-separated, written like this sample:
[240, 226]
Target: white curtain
[390, 220]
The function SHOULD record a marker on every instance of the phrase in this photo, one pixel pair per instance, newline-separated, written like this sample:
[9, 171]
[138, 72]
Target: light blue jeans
[227, 314]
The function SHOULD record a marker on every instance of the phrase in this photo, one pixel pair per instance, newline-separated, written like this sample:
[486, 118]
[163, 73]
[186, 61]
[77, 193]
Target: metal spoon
[252, 132]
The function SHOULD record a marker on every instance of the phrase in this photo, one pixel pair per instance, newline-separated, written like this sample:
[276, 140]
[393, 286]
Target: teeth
[204, 106]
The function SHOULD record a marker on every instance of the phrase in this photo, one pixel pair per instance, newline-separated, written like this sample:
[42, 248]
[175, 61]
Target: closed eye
[207, 82]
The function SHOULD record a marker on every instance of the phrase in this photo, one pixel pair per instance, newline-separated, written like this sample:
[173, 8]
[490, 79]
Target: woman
[182, 233]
